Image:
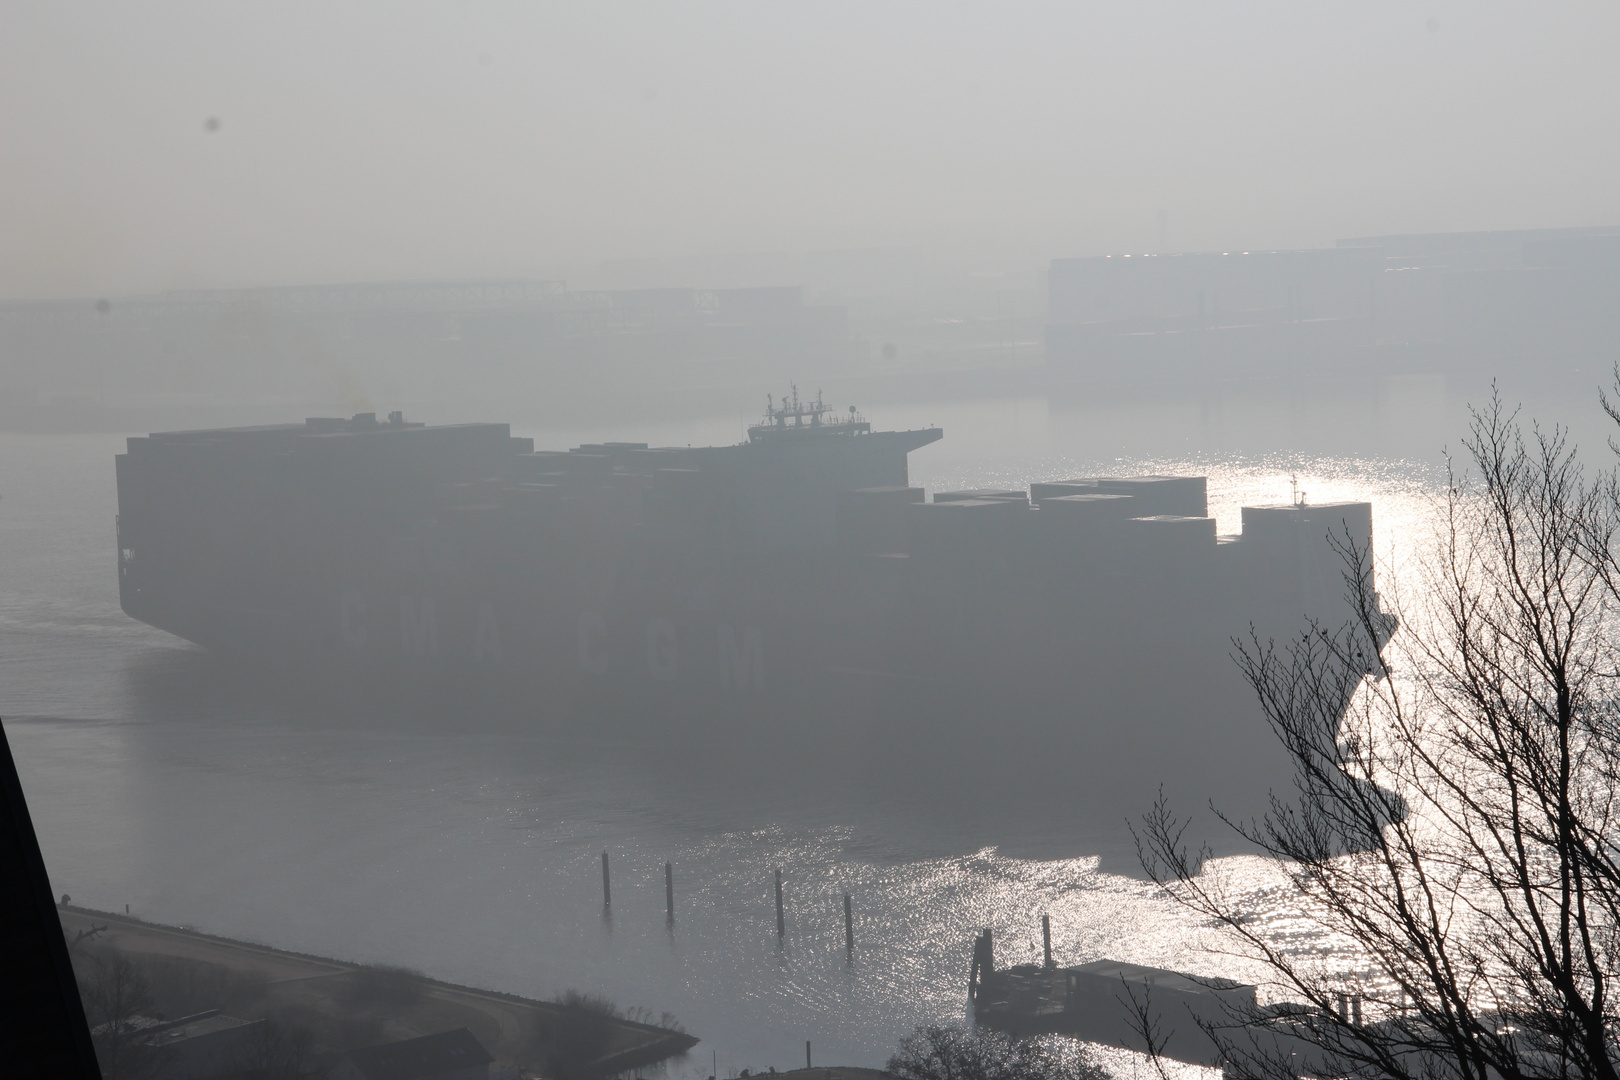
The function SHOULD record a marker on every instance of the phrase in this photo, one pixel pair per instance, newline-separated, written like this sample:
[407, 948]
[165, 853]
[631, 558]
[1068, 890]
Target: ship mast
[800, 414]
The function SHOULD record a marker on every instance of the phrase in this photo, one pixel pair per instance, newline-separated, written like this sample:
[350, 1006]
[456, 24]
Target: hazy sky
[386, 140]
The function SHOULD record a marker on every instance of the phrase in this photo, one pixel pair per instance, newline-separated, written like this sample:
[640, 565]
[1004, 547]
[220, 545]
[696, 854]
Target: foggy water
[473, 857]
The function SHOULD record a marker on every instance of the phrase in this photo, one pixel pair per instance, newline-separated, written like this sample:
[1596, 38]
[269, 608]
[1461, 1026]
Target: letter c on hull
[487, 636]
[353, 607]
[742, 658]
[593, 654]
[662, 662]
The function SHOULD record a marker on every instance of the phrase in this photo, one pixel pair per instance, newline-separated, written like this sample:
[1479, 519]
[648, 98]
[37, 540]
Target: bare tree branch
[1453, 815]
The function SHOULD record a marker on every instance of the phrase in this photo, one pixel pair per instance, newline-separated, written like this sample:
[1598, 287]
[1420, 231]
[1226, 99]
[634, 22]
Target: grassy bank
[320, 1006]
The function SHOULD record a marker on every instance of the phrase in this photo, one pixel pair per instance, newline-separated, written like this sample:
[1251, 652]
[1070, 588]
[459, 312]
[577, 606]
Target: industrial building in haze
[134, 362]
[1539, 300]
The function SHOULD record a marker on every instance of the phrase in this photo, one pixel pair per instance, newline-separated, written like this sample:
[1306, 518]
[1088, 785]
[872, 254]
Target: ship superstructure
[798, 417]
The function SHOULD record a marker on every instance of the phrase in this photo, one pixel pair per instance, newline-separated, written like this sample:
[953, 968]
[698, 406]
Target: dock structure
[1196, 1019]
[1106, 1001]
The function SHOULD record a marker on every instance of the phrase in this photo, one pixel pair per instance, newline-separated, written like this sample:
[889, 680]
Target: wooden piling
[607, 890]
[1046, 936]
[669, 890]
[984, 963]
[781, 923]
[807, 1053]
[849, 928]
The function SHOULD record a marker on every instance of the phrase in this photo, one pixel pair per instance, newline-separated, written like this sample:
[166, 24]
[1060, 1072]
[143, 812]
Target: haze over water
[213, 213]
[472, 856]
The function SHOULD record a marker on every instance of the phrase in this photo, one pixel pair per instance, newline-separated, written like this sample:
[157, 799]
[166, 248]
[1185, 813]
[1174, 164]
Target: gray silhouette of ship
[792, 592]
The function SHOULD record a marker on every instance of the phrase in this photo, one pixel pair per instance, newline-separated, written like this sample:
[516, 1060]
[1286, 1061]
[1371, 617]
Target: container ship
[793, 593]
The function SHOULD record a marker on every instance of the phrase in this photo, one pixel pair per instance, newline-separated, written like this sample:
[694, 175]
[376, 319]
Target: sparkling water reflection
[474, 857]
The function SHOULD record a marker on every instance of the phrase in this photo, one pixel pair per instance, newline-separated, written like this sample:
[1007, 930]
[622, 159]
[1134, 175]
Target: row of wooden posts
[781, 915]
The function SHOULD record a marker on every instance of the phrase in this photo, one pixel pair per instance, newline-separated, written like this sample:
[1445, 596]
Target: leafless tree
[117, 998]
[1452, 832]
[84, 937]
[953, 1053]
[281, 1051]
[577, 1035]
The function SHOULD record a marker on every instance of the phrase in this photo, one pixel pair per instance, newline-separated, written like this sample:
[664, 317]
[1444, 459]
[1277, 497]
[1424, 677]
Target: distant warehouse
[1450, 302]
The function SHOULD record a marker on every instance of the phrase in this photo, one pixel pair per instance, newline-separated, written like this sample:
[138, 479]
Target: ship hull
[787, 603]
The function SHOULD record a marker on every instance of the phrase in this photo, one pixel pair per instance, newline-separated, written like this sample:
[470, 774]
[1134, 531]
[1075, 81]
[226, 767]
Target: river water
[474, 857]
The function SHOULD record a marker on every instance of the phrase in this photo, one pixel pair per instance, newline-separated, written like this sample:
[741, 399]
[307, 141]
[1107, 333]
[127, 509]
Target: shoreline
[507, 1020]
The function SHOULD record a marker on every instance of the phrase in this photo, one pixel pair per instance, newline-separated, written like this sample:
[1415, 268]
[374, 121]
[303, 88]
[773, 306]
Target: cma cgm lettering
[796, 578]
[736, 654]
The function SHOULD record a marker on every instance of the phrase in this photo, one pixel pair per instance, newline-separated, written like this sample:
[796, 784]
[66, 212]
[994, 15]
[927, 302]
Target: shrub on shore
[937, 1052]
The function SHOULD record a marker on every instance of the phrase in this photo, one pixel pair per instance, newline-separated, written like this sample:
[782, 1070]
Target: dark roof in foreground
[429, 1055]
